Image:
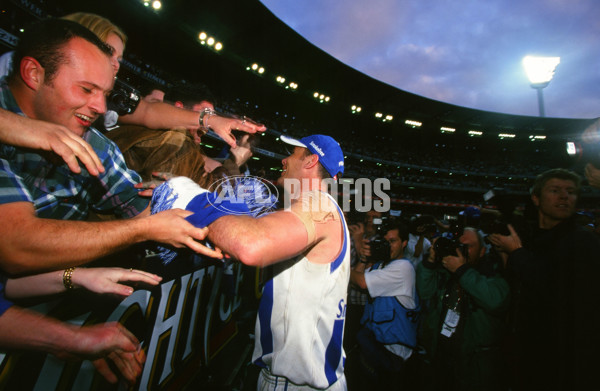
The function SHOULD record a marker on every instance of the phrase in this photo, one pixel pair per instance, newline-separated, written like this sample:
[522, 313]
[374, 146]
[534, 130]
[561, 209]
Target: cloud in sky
[466, 53]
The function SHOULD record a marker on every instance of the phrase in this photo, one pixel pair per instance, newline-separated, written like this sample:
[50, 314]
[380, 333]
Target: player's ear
[310, 161]
[32, 72]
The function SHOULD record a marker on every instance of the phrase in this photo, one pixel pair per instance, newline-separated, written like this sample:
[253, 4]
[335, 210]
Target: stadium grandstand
[433, 152]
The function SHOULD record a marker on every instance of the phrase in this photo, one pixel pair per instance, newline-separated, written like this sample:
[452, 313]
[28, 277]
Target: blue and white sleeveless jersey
[300, 322]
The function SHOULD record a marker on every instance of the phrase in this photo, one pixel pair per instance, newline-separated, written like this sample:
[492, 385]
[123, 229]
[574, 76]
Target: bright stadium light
[534, 137]
[540, 71]
[413, 123]
[355, 109]
[256, 68]
[506, 135]
[209, 42]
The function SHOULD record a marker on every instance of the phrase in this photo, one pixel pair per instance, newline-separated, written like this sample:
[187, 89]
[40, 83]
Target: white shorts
[269, 382]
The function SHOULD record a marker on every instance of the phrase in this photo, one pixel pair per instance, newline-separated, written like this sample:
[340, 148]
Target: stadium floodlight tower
[540, 71]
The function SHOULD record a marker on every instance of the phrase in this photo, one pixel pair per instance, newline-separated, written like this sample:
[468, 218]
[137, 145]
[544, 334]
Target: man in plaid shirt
[63, 78]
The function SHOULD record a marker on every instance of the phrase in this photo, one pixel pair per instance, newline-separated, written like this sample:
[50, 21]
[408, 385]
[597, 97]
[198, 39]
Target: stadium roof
[251, 33]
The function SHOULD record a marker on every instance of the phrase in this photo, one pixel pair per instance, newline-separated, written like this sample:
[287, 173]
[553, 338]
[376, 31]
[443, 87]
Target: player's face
[292, 165]
[76, 96]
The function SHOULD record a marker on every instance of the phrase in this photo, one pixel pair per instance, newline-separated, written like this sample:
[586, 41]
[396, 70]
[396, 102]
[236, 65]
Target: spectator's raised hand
[223, 125]
[108, 279]
[147, 187]
[431, 255]
[593, 175]
[97, 279]
[242, 152]
[171, 227]
[506, 243]
[46, 136]
[107, 340]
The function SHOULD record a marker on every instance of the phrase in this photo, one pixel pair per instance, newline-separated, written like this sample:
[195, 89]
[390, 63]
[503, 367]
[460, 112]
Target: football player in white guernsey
[300, 323]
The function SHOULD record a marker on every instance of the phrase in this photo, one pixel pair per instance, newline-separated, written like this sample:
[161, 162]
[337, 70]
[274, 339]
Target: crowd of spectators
[47, 111]
[437, 174]
[458, 174]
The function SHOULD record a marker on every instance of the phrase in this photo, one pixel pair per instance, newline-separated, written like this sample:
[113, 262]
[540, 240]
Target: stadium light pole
[540, 71]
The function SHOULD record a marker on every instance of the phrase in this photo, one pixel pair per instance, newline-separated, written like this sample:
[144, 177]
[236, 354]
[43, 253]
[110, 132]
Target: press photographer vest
[390, 321]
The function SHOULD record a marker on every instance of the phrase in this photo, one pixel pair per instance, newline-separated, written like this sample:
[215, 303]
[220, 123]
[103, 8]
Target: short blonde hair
[99, 25]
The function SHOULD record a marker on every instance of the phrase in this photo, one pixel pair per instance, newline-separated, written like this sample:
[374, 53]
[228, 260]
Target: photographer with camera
[361, 227]
[388, 335]
[463, 325]
[556, 272]
[418, 243]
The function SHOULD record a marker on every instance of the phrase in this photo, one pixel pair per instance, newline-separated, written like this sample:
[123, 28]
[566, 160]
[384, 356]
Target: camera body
[380, 247]
[497, 226]
[425, 223]
[506, 206]
[445, 246]
[123, 99]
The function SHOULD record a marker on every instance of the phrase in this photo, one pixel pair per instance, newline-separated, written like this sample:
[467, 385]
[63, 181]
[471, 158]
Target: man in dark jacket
[557, 316]
[464, 321]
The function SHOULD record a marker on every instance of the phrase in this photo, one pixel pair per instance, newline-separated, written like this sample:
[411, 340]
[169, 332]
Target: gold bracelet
[67, 278]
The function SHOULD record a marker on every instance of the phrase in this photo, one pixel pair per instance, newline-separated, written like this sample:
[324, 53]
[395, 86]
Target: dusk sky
[466, 52]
